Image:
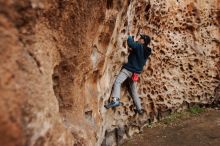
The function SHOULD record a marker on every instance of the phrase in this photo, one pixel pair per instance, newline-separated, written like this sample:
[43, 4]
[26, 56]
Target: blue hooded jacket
[138, 56]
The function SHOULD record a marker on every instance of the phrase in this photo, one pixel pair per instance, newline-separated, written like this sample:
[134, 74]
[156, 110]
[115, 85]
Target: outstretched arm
[132, 44]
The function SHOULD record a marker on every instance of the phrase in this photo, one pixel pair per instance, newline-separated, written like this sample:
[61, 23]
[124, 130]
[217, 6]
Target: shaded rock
[59, 60]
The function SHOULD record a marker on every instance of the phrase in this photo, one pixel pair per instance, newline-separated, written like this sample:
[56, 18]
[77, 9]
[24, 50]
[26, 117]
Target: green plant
[173, 117]
[149, 126]
[196, 110]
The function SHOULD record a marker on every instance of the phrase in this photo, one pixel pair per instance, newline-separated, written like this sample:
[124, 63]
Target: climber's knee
[117, 83]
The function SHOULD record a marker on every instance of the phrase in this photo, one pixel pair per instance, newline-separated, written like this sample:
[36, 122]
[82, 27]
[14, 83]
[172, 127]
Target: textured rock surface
[59, 59]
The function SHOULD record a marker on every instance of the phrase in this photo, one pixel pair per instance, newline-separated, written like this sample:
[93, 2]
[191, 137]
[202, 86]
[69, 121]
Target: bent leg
[123, 75]
[134, 93]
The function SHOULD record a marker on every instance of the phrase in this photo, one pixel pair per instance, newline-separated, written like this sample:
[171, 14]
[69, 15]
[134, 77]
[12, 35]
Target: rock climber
[139, 53]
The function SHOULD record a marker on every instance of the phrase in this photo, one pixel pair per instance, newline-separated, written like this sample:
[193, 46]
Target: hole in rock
[123, 31]
[152, 92]
[160, 98]
[126, 23]
[56, 85]
[109, 4]
[192, 84]
[144, 90]
[195, 79]
[152, 106]
[150, 71]
[129, 1]
[165, 88]
[135, 21]
[190, 66]
[162, 52]
[131, 107]
[181, 68]
[141, 98]
[147, 16]
[88, 115]
[123, 54]
[60, 78]
[149, 98]
[124, 44]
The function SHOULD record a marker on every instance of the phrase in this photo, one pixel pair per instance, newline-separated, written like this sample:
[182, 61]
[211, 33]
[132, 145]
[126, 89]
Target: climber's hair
[147, 40]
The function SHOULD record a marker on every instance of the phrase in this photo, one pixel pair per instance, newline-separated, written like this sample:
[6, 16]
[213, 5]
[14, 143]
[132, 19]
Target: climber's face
[141, 41]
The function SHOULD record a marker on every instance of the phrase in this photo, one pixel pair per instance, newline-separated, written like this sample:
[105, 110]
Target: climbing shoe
[113, 103]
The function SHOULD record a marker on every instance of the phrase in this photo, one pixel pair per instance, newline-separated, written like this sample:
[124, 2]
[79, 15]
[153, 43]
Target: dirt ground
[202, 129]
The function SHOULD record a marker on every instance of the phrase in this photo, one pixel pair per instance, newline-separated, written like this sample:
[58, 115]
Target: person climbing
[139, 53]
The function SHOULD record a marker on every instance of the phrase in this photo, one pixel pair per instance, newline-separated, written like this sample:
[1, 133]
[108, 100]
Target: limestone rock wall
[59, 59]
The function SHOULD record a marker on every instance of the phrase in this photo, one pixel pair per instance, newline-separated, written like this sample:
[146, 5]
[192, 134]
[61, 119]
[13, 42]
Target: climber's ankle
[115, 99]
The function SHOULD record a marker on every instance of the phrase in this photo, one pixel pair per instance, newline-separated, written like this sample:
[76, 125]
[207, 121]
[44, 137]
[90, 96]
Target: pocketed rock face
[59, 60]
